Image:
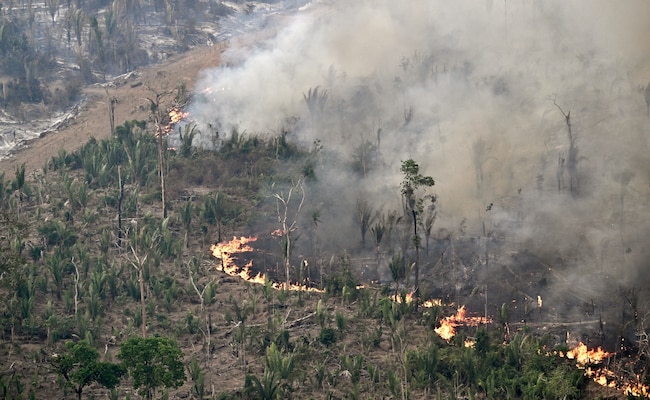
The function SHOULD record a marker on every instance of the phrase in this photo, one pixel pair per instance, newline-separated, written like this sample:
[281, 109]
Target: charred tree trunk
[120, 199]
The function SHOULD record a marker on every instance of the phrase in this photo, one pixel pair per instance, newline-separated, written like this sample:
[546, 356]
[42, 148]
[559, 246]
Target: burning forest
[423, 197]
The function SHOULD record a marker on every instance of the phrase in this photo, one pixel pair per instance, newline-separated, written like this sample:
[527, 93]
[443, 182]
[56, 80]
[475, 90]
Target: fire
[584, 356]
[176, 116]
[409, 298]
[277, 233]
[447, 328]
[589, 360]
[227, 253]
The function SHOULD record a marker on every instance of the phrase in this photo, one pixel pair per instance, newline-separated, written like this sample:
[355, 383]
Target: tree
[80, 367]
[19, 185]
[186, 217]
[571, 161]
[364, 157]
[365, 218]
[288, 224]
[158, 113]
[316, 101]
[214, 211]
[414, 180]
[153, 362]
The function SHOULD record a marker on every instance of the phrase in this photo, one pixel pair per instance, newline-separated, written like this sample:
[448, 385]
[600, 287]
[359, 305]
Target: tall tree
[153, 362]
[288, 209]
[571, 161]
[80, 367]
[412, 181]
[158, 113]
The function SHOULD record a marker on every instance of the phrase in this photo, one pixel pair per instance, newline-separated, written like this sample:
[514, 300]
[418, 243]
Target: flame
[227, 253]
[447, 328]
[409, 298]
[589, 360]
[176, 116]
[584, 356]
[636, 389]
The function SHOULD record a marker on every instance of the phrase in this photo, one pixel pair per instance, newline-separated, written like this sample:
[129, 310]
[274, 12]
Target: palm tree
[397, 270]
[365, 218]
[214, 211]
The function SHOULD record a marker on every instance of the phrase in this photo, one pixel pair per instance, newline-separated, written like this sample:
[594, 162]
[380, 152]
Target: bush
[327, 336]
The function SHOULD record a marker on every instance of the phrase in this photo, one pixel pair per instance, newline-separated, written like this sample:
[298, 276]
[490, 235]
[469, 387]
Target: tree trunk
[120, 198]
[287, 259]
[416, 289]
[161, 165]
[144, 311]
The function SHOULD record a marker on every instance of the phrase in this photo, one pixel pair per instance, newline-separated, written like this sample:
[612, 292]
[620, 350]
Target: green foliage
[11, 257]
[57, 233]
[277, 379]
[153, 362]
[80, 367]
[186, 140]
[327, 336]
[341, 282]
[198, 378]
[413, 179]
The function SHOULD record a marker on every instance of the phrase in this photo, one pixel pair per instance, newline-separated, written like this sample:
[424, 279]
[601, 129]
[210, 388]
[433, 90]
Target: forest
[336, 212]
[106, 296]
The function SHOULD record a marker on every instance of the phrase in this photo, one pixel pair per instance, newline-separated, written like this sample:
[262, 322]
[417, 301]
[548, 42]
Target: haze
[478, 94]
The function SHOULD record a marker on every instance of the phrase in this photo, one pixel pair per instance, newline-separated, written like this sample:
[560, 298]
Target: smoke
[482, 96]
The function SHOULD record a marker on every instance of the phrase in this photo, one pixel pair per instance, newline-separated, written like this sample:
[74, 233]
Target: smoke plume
[529, 115]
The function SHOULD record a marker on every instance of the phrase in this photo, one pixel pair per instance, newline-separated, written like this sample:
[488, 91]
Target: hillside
[74, 276]
[492, 157]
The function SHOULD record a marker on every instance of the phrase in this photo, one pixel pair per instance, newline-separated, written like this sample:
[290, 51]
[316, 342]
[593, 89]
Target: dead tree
[571, 161]
[111, 111]
[288, 213]
[158, 113]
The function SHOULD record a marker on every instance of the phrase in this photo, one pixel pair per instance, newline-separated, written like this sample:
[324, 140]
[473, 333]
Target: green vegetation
[77, 279]
[80, 367]
[152, 363]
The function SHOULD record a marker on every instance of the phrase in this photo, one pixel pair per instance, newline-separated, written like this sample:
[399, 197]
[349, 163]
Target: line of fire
[617, 369]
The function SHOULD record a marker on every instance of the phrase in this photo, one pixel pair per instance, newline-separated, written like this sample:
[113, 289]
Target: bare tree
[158, 113]
[288, 209]
[572, 155]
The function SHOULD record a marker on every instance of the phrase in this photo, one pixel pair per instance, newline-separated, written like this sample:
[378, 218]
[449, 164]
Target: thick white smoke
[478, 93]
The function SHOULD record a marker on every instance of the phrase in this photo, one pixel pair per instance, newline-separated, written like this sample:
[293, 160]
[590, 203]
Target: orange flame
[227, 253]
[589, 359]
[447, 328]
[176, 116]
[409, 298]
[277, 233]
[584, 356]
